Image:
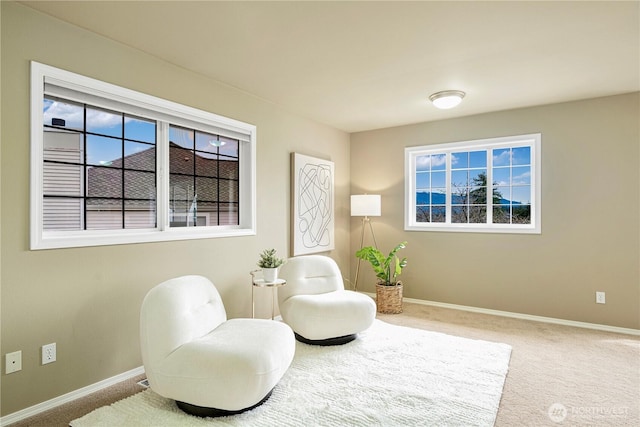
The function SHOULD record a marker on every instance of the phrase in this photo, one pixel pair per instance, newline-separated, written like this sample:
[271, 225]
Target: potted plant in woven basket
[387, 269]
[269, 264]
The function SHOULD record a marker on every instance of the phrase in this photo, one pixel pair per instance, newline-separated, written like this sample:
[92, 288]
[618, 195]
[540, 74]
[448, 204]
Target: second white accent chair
[316, 305]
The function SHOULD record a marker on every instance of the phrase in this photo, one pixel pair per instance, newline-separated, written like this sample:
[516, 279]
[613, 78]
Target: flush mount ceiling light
[447, 98]
[216, 143]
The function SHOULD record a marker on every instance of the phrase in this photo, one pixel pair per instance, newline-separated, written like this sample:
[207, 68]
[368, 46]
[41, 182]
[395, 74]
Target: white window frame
[411, 153]
[73, 86]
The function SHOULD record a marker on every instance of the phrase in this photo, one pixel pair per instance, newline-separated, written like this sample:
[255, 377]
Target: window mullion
[162, 176]
[415, 186]
[85, 169]
[192, 202]
[123, 174]
[448, 188]
[489, 186]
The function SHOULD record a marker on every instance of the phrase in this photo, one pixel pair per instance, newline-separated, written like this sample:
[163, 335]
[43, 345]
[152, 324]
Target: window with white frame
[489, 185]
[112, 166]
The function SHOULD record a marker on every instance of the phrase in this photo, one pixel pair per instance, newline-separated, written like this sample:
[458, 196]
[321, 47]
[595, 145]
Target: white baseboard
[585, 325]
[76, 394]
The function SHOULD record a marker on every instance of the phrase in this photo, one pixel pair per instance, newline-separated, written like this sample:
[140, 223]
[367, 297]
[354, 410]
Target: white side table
[260, 283]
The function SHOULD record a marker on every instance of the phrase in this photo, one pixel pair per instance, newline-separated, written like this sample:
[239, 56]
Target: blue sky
[104, 150]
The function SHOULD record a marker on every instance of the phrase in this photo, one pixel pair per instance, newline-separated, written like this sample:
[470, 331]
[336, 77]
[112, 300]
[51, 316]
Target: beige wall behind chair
[590, 215]
[87, 300]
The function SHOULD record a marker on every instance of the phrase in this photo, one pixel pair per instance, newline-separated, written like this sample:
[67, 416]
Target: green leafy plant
[268, 259]
[387, 268]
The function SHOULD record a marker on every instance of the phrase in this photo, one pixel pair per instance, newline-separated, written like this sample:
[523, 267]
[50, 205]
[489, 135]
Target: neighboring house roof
[106, 181]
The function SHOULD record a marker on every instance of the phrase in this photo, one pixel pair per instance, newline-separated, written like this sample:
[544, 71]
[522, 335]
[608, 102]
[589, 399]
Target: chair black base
[329, 341]
[204, 412]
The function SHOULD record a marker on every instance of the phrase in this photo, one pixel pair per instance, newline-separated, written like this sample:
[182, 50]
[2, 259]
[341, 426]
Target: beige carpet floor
[558, 375]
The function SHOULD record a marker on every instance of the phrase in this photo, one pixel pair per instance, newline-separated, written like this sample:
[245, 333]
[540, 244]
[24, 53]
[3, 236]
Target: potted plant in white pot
[387, 269]
[269, 264]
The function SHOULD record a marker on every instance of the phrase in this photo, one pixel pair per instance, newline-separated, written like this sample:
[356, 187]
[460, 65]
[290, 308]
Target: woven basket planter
[389, 299]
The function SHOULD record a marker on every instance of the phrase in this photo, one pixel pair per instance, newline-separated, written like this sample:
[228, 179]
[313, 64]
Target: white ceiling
[366, 65]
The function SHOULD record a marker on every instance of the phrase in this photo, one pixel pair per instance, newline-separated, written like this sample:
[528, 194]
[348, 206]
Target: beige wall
[590, 215]
[87, 300]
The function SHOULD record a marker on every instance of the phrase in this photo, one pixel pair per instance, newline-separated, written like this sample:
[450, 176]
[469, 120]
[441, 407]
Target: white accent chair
[210, 365]
[316, 305]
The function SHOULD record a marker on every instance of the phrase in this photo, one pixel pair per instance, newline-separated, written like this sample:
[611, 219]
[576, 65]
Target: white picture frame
[312, 210]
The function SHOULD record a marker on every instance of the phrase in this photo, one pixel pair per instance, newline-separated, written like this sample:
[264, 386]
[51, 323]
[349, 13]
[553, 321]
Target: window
[112, 166]
[203, 178]
[99, 168]
[490, 185]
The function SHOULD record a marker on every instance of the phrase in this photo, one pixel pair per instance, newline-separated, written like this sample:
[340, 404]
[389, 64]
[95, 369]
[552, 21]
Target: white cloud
[428, 162]
[73, 116]
[503, 159]
[423, 162]
[522, 179]
[102, 119]
[438, 160]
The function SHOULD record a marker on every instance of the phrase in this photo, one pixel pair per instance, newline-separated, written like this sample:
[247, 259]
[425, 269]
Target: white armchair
[210, 365]
[316, 305]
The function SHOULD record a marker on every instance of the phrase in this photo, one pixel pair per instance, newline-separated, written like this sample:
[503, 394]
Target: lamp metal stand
[367, 220]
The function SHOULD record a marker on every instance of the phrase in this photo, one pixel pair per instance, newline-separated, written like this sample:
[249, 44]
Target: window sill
[59, 240]
[481, 228]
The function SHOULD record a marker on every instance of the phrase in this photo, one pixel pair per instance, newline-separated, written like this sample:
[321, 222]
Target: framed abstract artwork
[312, 210]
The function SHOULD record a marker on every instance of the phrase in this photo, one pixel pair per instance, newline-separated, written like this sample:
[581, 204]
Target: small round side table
[261, 283]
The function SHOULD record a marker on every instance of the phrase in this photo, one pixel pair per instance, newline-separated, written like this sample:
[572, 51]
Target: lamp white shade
[365, 205]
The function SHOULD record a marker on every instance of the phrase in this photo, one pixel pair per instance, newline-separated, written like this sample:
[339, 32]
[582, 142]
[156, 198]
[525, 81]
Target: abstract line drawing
[313, 205]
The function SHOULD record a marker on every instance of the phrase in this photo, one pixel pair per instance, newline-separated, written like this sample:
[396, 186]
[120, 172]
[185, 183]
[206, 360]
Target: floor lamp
[365, 205]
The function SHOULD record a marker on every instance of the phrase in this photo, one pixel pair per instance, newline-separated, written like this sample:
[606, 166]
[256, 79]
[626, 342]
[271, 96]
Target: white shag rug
[389, 376]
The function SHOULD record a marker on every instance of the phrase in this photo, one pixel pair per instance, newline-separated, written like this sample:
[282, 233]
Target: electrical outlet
[13, 362]
[48, 353]
[600, 298]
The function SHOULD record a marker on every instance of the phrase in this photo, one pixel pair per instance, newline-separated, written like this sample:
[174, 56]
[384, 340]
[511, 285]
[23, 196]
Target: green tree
[478, 196]
[472, 200]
